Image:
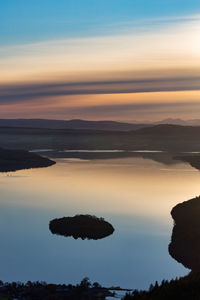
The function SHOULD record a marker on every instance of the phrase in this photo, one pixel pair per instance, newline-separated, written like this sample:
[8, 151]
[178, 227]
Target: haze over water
[135, 195]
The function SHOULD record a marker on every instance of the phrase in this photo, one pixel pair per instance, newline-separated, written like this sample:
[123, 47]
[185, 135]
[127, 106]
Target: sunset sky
[100, 59]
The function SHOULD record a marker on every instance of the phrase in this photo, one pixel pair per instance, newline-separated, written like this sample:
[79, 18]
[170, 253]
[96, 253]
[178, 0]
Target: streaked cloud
[173, 46]
[148, 106]
[79, 74]
[20, 93]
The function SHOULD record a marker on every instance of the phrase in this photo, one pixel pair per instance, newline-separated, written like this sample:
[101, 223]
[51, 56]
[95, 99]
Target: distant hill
[91, 125]
[173, 138]
[168, 129]
[70, 124]
[177, 121]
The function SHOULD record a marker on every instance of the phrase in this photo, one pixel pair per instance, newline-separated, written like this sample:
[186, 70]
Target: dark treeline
[185, 288]
[43, 291]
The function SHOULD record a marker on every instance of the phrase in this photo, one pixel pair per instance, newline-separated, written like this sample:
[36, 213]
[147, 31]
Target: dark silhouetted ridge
[168, 129]
[70, 124]
[185, 241]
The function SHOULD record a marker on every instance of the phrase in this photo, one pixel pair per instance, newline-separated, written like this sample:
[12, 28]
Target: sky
[125, 60]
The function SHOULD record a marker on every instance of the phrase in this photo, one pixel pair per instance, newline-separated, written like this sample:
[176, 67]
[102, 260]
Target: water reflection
[155, 155]
[134, 194]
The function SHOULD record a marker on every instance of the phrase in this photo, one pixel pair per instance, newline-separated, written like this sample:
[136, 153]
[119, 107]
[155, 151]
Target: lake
[134, 194]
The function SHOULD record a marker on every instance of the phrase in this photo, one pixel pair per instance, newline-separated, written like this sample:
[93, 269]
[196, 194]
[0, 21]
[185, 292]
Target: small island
[81, 226]
[185, 240]
[14, 160]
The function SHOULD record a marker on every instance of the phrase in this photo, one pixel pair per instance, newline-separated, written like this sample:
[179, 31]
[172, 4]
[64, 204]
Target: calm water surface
[134, 194]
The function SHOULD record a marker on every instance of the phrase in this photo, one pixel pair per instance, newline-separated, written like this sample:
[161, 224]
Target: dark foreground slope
[185, 288]
[13, 160]
[184, 248]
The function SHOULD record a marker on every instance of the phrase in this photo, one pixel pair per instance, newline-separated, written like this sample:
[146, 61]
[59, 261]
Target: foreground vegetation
[43, 291]
[185, 288]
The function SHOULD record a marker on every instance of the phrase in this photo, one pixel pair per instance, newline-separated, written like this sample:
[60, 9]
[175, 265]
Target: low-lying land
[13, 160]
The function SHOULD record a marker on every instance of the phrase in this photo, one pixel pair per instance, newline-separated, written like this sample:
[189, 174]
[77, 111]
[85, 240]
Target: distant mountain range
[70, 124]
[90, 125]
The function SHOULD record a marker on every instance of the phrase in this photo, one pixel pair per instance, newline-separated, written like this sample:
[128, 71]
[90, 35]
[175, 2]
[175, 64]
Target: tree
[85, 283]
[96, 285]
